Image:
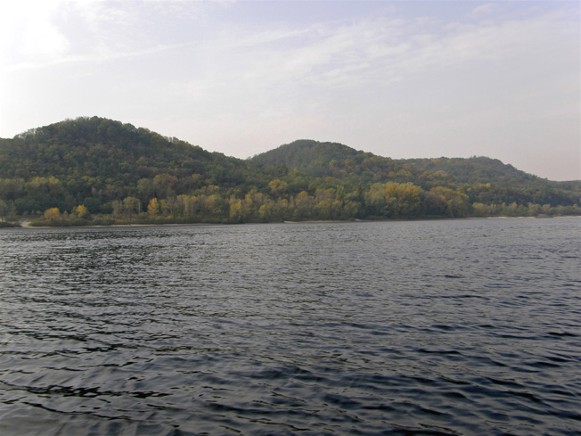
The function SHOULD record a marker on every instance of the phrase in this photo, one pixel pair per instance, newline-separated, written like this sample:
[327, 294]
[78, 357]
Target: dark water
[443, 327]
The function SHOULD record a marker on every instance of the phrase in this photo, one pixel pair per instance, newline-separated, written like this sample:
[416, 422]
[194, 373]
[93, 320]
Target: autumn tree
[52, 215]
[80, 211]
[212, 206]
[327, 203]
[447, 202]
[394, 199]
[235, 210]
[278, 187]
[303, 206]
[153, 207]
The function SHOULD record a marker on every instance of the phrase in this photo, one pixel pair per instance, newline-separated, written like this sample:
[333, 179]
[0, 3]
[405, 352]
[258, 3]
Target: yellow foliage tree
[235, 210]
[52, 215]
[153, 207]
[80, 211]
[394, 199]
[278, 187]
[448, 201]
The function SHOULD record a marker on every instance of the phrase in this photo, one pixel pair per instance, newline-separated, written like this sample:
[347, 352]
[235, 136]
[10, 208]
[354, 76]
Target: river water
[425, 327]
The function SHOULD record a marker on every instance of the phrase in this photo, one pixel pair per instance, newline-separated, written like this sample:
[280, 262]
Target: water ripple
[345, 328]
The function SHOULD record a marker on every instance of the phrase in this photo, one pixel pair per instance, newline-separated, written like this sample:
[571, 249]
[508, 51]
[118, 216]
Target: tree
[53, 215]
[153, 207]
[80, 211]
[131, 206]
[168, 206]
[235, 212]
[303, 206]
[213, 206]
[394, 199]
[164, 185]
[327, 203]
[145, 188]
[277, 187]
[3, 209]
[187, 206]
[447, 202]
[251, 203]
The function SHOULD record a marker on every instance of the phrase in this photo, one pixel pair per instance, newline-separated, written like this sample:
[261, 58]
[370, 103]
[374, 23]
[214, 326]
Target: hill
[95, 170]
[95, 161]
[310, 156]
[484, 179]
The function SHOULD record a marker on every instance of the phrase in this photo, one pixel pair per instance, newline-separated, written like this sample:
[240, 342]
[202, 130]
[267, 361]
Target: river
[423, 327]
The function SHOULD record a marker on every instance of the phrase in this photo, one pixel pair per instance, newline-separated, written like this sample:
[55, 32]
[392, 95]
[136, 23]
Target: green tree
[145, 189]
[164, 185]
[3, 209]
[7, 210]
[131, 207]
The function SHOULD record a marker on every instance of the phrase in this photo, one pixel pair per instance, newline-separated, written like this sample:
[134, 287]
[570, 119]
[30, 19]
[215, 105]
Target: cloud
[44, 33]
[28, 31]
[484, 9]
[378, 51]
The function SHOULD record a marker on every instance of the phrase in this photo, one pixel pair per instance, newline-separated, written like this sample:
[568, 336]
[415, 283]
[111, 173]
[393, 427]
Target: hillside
[336, 160]
[326, 159]
[95, 161]
[484, 179]
[310, 156]
[95, 170]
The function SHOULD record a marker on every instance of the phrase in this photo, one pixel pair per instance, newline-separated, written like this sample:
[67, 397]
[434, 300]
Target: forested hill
[95, 161]
[338, 160]
[95, 170]
[101, 148]
[313, 157]
[488, 180]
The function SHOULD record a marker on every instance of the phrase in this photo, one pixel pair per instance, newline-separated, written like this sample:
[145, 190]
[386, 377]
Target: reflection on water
[443, 327]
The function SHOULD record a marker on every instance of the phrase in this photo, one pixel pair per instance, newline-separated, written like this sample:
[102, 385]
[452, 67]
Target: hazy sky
[399, 79]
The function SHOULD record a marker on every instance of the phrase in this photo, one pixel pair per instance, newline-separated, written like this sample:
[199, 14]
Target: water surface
[428, 327]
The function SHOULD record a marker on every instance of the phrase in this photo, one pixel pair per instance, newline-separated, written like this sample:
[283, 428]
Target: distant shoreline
[28, 224]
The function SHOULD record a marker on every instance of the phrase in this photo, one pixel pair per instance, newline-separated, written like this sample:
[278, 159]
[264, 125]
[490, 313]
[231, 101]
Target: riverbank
[30, 224]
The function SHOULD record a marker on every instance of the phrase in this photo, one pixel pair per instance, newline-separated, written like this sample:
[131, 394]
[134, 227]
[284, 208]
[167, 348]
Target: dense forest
[99, 171]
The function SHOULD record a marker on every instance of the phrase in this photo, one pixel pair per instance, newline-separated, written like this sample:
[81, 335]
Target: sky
[402, 79]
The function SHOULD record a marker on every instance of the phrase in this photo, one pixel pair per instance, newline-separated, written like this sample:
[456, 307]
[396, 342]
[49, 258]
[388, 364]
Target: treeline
[380, 201]
[99, 171]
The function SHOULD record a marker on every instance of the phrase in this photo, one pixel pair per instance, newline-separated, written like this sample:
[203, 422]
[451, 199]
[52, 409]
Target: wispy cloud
[380, 51]
[484, 9]
[44, 33]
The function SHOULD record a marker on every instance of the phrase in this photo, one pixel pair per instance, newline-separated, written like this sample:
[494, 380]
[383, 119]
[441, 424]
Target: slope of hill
[328, 159]
[96, 160]
[98, 147]
[473, 170]
[76, 170]
[310, 156]
[482, 178]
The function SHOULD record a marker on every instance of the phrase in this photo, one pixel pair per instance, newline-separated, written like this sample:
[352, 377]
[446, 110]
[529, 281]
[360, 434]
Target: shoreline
[27, 224]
